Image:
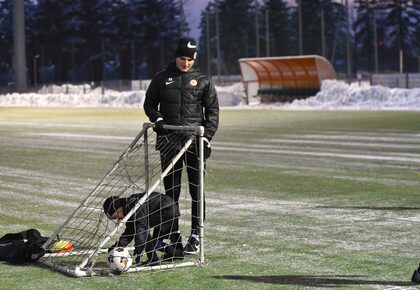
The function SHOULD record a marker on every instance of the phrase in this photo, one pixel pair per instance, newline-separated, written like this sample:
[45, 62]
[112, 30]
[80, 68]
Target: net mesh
[151, 221]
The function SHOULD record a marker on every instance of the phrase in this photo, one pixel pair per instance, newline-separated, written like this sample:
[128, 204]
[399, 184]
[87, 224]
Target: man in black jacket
[183, 96]
[159, 212]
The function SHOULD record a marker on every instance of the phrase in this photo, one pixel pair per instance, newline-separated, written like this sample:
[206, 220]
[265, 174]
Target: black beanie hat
[186, 47]
[112, 203]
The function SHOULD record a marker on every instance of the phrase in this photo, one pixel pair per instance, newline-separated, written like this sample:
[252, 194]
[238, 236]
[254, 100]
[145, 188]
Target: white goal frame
[87, 265]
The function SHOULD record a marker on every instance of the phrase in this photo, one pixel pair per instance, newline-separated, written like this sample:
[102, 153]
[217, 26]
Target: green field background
[295, 199]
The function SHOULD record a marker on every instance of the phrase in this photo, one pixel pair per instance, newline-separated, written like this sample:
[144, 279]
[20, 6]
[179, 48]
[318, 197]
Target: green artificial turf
[295, 199]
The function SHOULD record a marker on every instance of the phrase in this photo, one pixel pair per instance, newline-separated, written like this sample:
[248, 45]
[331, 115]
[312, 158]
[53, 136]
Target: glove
[160, 245]
[207, 148]
[158, 128]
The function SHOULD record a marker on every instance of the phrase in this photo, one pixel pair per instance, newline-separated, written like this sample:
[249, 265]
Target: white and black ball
[119, 260]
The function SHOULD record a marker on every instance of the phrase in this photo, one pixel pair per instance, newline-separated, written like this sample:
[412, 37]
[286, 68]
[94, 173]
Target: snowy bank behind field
[334, 95]
[339, 95]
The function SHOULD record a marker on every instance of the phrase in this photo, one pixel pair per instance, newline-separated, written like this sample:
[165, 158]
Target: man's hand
[158, 127]
[207, 148]
[112, 247]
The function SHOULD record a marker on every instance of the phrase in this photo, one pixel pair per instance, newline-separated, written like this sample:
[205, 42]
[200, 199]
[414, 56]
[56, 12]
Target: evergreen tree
[158, 32]
[78, 38]
[73, 41]
[236, 33]
[48, 37]
[282, 34]
[96, 20]
[322, 19]
[311, 23]
[6, 36]
[369, 17]
[207, 58]
[335, 31]
[312, 32]
[402, 30]
[72, 36]
[123, 39]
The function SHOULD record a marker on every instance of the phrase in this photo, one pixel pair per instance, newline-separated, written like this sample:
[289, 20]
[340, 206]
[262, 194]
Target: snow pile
[74, 96]
[333, 95]
[232, 95]
[339, 95]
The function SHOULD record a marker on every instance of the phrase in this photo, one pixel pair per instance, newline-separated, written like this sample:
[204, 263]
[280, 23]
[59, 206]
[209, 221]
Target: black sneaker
[193, 245]
[416, 276]
[173, 252]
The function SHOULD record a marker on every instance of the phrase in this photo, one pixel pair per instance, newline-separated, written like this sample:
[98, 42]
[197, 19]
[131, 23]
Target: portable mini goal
[137, 170]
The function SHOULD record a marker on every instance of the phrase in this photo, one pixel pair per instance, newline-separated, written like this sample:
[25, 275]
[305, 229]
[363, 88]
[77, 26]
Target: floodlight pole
[348, 44]
[208, 44]
[267, 33]
[375, 39]
[218, 41]
[257, 29]
[35, 71]
[300, 27]
[323, 33]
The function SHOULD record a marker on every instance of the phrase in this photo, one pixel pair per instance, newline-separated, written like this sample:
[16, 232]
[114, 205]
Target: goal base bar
[79, 273]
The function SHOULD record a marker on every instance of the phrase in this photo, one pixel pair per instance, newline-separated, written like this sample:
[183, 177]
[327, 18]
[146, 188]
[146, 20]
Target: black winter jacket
[183, 99]
[157, 209]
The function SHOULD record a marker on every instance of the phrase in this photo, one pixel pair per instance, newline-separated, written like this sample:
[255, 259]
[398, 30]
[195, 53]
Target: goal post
[137, 172]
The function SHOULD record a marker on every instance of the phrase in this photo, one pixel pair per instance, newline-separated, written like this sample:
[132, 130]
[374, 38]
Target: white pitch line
[50, 124]
[262, 148]
[395, 138]
[84, 136]
[343, 143]
[415, 158]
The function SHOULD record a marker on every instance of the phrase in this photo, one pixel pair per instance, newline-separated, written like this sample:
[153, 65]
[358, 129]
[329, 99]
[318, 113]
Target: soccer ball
[119, 260]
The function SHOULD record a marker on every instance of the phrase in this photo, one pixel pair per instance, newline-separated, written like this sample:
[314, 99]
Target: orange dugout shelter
[284, 79]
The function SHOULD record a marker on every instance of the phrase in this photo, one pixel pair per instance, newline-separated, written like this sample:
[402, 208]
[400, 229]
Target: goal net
[140, 171]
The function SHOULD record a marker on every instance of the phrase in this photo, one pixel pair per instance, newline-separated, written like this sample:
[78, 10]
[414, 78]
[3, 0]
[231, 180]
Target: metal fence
[391, 80]
[397, 80]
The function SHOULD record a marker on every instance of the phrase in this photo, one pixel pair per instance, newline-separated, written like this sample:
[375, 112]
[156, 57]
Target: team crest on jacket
[193, 83]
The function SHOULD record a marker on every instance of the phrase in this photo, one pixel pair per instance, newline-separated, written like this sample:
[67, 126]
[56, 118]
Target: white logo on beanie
[186, 47]
[189, 45]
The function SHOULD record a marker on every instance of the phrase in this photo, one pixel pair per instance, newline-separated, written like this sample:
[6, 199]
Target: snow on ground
[333, 95]
[339, 95]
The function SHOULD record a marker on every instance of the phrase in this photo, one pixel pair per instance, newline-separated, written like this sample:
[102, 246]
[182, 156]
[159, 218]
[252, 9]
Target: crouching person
[158, 213]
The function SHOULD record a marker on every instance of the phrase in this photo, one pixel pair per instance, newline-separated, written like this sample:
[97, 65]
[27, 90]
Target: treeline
[92, 40]
[370, 35]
